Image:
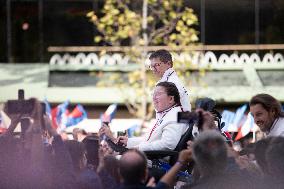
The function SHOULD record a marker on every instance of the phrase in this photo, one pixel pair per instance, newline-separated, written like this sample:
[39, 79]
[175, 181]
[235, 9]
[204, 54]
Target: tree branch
[165, 29]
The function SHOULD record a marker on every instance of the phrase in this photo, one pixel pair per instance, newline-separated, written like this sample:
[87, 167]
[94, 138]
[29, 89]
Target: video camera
[22, 106]
[206, 104]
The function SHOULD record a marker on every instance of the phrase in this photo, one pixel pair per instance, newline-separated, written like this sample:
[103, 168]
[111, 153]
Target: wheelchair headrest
[206, 104]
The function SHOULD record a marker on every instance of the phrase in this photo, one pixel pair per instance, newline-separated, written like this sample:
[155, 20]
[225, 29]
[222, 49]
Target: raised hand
[122, 140]
[207, 120]
[15, 119]
[105, 130]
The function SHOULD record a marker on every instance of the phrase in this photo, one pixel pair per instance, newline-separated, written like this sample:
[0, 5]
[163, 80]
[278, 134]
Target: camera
[20, 106]
[23, 106]
[189, 118]
[207, 104]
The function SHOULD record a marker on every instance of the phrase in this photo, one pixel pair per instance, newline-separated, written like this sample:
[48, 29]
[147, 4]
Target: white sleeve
[184, 96]
[171, 135]
[134, 142]
[184, 100]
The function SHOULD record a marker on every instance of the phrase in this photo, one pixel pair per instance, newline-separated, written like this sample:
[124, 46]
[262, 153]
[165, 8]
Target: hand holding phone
[115, 147]
[105, 131]
[122, 140]
[105, 124]
[207, 120]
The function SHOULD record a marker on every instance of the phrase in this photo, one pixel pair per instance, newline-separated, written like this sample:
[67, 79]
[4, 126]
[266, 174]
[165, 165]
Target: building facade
[233, 35]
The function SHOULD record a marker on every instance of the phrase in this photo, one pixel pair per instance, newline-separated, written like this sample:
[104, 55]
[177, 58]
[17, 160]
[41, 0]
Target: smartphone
[121, 133]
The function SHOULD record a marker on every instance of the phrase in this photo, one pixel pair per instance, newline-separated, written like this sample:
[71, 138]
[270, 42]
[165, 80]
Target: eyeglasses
[152, 67]
[158, 94]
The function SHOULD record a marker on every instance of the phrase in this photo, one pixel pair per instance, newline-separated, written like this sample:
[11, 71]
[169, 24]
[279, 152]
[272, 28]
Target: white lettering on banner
[196, 58]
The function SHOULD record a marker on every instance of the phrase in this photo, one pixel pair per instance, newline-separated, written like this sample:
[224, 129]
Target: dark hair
[274, 157]
[133, 171]
[261, 147]
[268, 102]
[164, 56]
[111, 165]
[76, 150]
[171, 90]
[91, 144]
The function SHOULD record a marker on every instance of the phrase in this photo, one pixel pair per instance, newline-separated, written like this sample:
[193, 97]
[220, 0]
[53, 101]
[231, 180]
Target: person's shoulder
[175, 79]
[172, 114]
[88, 178]
[171, 117]
[278, 129]
[281, 120]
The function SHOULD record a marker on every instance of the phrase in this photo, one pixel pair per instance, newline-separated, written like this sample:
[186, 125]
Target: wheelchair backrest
[184, 138]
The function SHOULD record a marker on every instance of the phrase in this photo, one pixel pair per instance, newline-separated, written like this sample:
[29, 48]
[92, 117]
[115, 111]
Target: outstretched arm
[184, 158]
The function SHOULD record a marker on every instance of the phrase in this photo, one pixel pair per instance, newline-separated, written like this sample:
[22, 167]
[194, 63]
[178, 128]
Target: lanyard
[159, 121]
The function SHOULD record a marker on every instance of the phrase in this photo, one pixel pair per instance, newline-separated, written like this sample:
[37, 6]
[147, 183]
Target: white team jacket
[171, 76]
[164, 135]
[277, 128]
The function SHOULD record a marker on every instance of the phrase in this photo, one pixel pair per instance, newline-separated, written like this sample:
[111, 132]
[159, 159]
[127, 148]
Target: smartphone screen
[121, 133]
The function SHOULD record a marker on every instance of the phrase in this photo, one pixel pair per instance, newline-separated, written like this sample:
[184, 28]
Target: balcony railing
[232, 56]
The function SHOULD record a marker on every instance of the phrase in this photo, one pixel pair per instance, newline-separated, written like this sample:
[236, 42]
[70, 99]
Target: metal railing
[215, 56]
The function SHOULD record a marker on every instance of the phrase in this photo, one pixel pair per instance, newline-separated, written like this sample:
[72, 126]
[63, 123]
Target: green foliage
[117, 22]
[169, 23]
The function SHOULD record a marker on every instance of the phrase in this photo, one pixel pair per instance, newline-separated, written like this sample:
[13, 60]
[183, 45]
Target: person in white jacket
[166, 132]
[162, 67]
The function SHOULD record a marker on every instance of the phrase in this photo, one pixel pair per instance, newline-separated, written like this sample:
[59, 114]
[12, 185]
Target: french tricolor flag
[109, 113]
[76, 116]
[240, 115]
[246, 127]
[59, 115]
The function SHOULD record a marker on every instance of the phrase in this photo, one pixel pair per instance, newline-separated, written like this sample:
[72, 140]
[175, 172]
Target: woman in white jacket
[166, 132]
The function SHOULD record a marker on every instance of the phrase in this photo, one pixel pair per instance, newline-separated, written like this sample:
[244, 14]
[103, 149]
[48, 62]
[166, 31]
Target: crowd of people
[42, 158]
